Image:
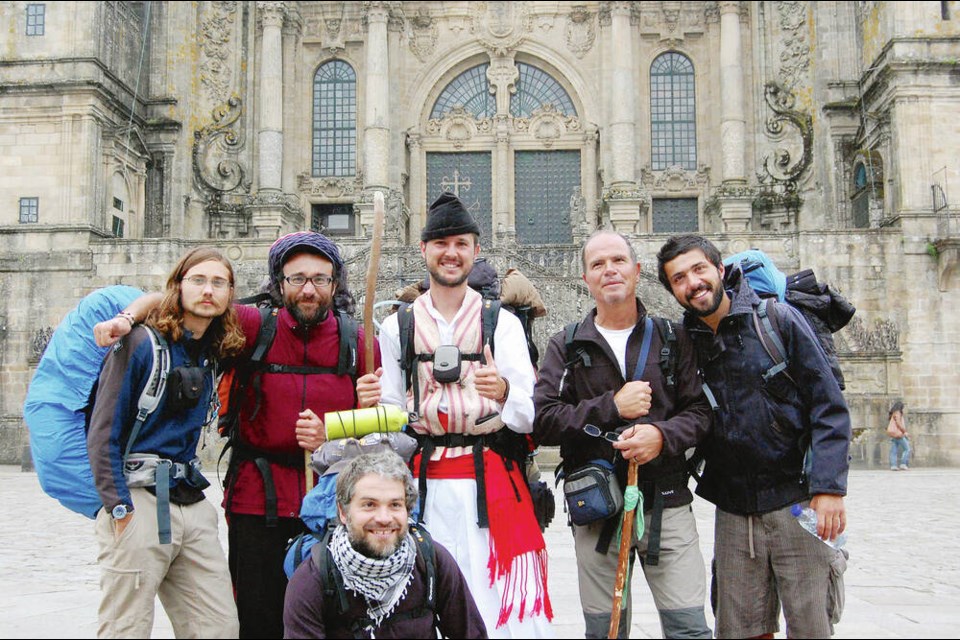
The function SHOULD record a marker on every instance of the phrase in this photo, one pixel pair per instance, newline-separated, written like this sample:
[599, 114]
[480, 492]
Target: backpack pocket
[592, 493]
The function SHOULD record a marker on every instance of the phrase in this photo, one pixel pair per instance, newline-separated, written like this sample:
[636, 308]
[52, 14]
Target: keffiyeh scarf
[382, 582]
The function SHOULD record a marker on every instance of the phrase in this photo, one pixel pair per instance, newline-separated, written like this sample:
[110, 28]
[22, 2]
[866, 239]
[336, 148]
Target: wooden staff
[373, 270]
[623, 560]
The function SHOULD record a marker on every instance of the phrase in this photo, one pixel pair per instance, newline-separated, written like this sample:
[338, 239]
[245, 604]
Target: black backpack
[335, 592]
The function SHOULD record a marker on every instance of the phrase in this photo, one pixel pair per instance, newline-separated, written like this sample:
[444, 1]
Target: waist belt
[262, 460]
[428, 444]
[150, 470]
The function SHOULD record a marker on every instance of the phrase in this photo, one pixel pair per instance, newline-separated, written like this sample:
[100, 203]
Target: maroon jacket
[307, 615]
[282, 396]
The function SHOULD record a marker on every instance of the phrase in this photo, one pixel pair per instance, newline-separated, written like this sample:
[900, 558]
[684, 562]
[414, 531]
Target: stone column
[267, 214]
[417, 202]
[734, 196]
[296, 125]
[500, 226]
[376, 132]
[622, 193]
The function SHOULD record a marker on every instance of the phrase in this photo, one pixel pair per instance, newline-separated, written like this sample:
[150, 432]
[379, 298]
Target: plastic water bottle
[807, 518]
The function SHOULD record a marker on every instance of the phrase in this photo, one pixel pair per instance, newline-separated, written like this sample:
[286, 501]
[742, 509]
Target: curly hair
[228, 337]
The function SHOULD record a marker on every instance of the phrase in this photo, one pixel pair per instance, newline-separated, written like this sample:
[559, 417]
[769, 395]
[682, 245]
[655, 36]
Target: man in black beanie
[463, 404]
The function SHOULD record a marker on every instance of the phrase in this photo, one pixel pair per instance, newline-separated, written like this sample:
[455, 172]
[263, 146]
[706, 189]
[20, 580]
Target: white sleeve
[391, 382]
[513, 363]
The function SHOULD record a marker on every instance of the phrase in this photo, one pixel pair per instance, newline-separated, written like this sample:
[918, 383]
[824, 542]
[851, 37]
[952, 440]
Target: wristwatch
[120, 511]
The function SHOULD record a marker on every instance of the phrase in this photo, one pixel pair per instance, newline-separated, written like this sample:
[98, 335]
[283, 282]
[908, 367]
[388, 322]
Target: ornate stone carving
[783, 174]
[423, 35]
[215, 149]
[216, 30]
[500, 26]
[625, 192]
[458, 126]
[503, 75]
[547, 124]
[38, 343]
[580, 32]
[675, 178]
[329, 187]
[884, 338]
[794, 51]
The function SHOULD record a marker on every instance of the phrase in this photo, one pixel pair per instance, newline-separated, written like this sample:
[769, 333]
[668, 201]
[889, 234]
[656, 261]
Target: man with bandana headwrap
[279, 418]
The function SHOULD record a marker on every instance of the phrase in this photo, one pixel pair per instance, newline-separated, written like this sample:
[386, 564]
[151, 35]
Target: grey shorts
[765, 561]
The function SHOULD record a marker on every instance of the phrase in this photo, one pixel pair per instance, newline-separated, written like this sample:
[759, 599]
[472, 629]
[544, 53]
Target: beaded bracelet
[126, 315]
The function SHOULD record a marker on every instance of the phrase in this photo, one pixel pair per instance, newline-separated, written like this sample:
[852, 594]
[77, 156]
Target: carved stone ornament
[580, 32]
[625, 192]
[459, 126]
[215, 150]
[500, 26]
[216, 30]
[884, 338]
[675, 178]
[329, 187]
[423, 35]
[547, 124]
[38, 343]
[779, 167]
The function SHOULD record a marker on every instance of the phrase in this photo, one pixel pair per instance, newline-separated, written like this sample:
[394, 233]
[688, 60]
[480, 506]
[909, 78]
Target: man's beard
[360, 544]
[443, 281]
[308, 319]
[714, 304]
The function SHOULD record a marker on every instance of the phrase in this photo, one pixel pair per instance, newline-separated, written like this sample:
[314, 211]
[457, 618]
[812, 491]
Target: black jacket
[567, 398]
[755, 453]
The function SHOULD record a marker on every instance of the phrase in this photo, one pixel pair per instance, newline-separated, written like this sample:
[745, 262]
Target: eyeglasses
[201, 281]
[597, 432]
[318, 281]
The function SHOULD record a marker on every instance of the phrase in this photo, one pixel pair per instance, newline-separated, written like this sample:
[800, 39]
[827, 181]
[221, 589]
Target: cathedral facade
[824, 133]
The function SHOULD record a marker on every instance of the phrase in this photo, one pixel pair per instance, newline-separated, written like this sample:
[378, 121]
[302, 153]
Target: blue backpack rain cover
[764, 276]
[58, 397]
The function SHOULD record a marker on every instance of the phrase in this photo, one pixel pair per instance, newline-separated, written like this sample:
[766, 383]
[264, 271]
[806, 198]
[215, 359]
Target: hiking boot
[904, 467]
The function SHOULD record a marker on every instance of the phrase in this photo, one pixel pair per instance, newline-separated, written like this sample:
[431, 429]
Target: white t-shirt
[617, 339]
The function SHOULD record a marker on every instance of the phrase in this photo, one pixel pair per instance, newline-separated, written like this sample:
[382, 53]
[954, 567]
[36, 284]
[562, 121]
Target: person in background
[899, 438]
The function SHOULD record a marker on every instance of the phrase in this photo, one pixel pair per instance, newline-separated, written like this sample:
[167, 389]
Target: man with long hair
[275, 413]
[157, 534]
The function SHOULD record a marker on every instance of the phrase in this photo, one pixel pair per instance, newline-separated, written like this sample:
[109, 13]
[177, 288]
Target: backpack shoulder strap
[265, 334]
[767, 325]
[156, 385]
[669, 355]
[330, 577]
[407, 355]
[347, 362]
[573, 354]
[427, 552]
[489, 316]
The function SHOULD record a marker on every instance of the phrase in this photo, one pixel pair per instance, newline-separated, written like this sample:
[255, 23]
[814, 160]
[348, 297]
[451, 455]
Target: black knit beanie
[448, 217]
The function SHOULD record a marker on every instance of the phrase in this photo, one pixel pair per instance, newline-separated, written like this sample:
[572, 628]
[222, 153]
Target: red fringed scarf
[516, 543]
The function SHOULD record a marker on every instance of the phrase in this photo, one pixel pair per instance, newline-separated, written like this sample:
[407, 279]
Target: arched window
[335, 120]
[673, 121]
[470, 90]
[536, 88]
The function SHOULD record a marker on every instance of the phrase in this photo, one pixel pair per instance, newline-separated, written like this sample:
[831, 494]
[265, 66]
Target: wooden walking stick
[623, 560]
[373, 270]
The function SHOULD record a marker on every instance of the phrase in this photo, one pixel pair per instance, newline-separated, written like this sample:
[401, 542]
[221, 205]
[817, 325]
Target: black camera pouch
[184, 387]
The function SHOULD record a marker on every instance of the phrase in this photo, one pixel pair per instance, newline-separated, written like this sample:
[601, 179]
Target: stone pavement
[903, 580]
